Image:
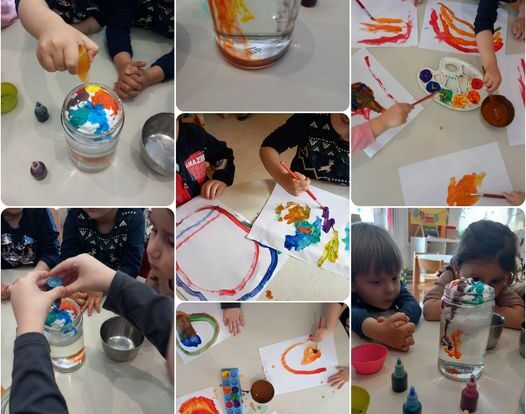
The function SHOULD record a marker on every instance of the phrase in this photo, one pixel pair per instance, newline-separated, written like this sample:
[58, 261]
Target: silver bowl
[521, 343]
[497, 324]
[158, 143]
[120, 340]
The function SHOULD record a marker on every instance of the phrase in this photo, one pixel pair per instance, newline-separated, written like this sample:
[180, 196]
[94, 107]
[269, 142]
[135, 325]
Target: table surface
[435, 132]
[499, 386]
[128, 181]
[312, 75]
[296, 280]
[288, 321]
[100, 385]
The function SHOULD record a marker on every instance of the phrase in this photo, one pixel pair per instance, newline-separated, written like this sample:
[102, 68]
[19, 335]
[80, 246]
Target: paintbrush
[487, 195]
[364, 9]
[293, 175]
[425, 98]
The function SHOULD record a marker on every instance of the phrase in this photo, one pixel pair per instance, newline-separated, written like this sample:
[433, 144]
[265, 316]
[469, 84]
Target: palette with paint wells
[460, 84]
[232, 390]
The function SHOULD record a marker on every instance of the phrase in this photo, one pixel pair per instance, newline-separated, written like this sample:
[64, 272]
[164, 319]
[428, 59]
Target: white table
[435, 132]
[296, 280]
[499, 386]
[100, 385]
[128, 181]
[312, 75]
[266, 325]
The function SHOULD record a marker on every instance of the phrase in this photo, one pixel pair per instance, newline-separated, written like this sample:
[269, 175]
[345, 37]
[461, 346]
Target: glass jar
[63, 330]
[253, 34]
[467, 310]
[92, 117]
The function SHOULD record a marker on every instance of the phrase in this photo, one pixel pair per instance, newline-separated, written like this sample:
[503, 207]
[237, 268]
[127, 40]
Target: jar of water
[253, 34]
[467, 310]
[63, 330]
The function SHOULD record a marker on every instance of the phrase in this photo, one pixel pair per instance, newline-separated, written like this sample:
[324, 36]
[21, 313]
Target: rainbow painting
[199, 402]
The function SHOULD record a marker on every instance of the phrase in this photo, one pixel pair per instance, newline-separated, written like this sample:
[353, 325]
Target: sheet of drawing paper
[289, 365]
[395, 24]
[215, 260]
[448, 27]
[374, 89]
[425, 183]
[204, 401]
[297, 226]
[512, 87]
[204, 320]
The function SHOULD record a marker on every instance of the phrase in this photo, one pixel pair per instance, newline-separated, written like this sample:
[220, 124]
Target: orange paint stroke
[295, 371]
[371, 27]
[310, 355]
[458, 194]
[455, 339]
[387, 20]
[295, 214]
[198, 405]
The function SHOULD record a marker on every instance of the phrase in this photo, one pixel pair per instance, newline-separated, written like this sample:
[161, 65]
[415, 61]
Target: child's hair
[374, 250]
[488, 240]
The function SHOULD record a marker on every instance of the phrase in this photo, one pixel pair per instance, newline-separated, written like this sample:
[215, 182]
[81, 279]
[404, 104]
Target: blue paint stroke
[301, 240]
[197, 224]
[347, 240]
[193, 341]
[266, 277]
[188, 290]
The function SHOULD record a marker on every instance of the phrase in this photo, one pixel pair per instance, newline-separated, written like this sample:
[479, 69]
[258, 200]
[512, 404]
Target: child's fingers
[58, 60]
[130, 83]
[97, 304]
[71, 57]
[91, 47]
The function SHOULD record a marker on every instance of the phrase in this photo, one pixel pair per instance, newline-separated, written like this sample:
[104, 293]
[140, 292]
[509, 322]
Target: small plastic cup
[368, 358]
[359, 400]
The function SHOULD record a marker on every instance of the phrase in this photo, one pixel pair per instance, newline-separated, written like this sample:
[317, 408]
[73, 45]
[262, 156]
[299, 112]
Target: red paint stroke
[363, 112]
[521, 79]
[295, 371]
[238, 223]
[378, 80]
[198, 405]
[400, 38]
[467, 44]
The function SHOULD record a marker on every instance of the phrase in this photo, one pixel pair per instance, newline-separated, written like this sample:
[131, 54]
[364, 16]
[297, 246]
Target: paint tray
[232, 390]
[460, 84]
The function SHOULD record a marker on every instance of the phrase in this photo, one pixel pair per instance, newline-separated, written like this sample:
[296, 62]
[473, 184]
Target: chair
[426, 264]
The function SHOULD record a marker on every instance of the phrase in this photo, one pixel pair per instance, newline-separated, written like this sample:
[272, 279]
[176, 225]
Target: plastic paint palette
[232, 390]
[460, 84]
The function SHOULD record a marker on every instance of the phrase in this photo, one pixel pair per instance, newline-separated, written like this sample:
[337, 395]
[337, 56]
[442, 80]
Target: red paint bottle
[470, 396]
[308, 3]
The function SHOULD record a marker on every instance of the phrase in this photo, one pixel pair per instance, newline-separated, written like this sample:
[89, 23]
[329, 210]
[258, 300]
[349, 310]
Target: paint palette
[460, 84]
[232, 390]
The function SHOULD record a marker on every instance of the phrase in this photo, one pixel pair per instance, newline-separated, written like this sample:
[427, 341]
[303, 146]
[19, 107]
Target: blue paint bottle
[412, 405]
[399, 377]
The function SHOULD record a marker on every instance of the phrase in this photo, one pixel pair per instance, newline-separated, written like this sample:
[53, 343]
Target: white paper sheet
[425, 183]
[207, 320]
[283, 380]
[367, 33]
[512, 87]
[202, 398]
[361, 73]
[215, 260]
[467, 11]
[290, 236]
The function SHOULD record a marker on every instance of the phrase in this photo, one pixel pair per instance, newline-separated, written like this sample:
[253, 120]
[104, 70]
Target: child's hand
[395, 331]
[212, 189]
[492, 77]
[31, 304]
[396, 115]
[92, 302]
[320, 334]
[515, 198]
[58, 48]
[233, 318]
[5, 292]
[295, 186]
[132, 80]
[80, 298]
[339, 379]
[518, 28]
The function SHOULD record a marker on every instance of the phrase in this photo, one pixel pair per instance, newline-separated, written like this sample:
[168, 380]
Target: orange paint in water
[83, 65]
[229, 14]
[459, 194]
[455, 339]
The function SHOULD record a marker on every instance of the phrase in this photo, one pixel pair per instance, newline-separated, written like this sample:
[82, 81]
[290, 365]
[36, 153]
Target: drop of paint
[426, 75]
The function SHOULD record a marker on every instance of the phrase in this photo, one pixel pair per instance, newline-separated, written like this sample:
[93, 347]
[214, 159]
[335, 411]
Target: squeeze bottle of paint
[412, 405]
[399, 377]
[470, 396]
[308, 3]
[41, 112]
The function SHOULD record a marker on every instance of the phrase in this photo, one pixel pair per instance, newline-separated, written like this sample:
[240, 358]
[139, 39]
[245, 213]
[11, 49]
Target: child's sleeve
[221, 157]
[230, 305]
[486, 15]
[407, 304]
[132, 252]
[358, 316]
[361, 137]
[48, 240]
[166, 63]
[508, 298]
[291, 134]
[71, 243]
[118, 30]
[438, 288]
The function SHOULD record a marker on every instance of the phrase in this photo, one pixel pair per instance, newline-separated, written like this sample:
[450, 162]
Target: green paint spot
[445, 95]
[78, 117]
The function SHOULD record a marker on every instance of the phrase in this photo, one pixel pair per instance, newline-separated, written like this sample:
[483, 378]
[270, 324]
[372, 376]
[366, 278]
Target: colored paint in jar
[92, 117]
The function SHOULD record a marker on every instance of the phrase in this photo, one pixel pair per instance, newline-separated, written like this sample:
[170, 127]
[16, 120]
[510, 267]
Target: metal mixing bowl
[120, 340]
[157, 143]
[497, 324]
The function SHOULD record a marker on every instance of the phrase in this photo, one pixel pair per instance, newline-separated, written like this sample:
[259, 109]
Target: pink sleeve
[361, 137]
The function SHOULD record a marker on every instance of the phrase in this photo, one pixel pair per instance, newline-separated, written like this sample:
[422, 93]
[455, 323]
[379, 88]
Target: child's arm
[432, 309]
[131, 254]
[332, 314]
[433, 298]
[221, 158]
[395, 331]
[514, 315]
[49, 246]
[407, 304]
[484, 22]
[233, 317]
[71, 244]
[271, 161]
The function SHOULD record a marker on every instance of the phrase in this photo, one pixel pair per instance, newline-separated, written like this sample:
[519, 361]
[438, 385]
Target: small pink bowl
[368, 358]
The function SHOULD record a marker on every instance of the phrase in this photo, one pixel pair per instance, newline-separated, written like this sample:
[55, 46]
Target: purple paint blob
[433, 87]
[328, 223]
[426, 75]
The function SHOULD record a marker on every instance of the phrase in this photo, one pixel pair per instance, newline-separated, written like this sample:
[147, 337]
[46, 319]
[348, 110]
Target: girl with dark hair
[487, 252]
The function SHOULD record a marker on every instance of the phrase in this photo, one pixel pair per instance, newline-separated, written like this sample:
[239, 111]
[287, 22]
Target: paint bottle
[38, 170]
[41, 112]
[470, 396]
[92, 117]
[309, 3]
[412, 405]
[399, 377]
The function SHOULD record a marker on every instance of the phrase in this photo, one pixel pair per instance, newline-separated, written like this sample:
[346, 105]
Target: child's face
[13, 211]
[97, 213]
[488, 272]
[340, 123]
[378, 290]
[160, 248]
